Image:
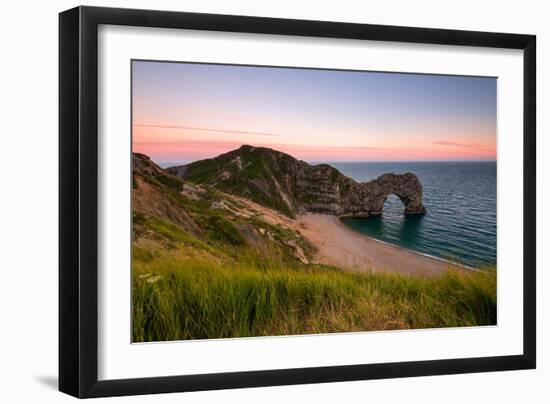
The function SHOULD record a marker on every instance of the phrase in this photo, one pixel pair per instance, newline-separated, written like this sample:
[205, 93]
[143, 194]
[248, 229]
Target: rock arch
[333, 193]
[406, 187]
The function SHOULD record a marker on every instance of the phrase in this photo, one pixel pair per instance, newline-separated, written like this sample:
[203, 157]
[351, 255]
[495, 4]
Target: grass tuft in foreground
[176, 298]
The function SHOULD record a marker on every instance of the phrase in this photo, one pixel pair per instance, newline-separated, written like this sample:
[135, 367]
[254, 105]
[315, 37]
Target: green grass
[170, 181]
[241, 182]
[176, 297]
[202, 171]
[222, 230]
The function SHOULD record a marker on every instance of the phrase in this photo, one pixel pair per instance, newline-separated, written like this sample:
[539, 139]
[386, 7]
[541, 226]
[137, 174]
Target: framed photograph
[251, 201]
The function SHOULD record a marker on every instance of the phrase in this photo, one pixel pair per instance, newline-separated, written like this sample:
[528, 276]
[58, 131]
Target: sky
[183, 112]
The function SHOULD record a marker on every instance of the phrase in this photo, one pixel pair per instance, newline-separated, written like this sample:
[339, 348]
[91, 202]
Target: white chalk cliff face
[280, 181]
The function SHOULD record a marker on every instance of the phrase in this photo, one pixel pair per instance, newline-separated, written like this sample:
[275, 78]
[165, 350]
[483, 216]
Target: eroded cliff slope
[292, 186]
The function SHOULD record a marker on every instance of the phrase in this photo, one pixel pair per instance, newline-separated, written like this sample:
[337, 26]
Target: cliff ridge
[291, 186]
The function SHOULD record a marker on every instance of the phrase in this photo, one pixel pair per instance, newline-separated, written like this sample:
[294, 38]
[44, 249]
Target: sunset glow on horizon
[184, 112]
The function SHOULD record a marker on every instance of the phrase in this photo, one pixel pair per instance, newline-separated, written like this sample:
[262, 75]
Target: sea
[460, 198]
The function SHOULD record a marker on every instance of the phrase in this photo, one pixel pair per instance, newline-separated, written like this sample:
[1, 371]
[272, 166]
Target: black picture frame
[78, 201]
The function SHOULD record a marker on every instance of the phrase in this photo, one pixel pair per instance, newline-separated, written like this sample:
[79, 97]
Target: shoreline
[446, 261]
[344, 247]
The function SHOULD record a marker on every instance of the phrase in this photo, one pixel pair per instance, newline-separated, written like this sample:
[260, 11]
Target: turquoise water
[460, 198]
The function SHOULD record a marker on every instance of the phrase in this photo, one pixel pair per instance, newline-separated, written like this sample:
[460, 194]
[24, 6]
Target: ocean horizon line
[165, 164]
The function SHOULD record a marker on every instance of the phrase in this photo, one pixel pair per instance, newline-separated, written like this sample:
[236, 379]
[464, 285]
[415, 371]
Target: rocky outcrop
[374, 193]
[278, 180]
[205, 221]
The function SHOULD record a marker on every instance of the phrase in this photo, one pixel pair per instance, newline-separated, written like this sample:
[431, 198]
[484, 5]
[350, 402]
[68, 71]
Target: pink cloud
[206, 129]
[460, 144]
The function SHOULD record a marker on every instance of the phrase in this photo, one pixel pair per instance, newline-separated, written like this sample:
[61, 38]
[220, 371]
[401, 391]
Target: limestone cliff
[204, 222]
[280, 181]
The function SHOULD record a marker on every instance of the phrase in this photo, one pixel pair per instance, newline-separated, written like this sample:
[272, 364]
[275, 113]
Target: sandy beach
[340, 246]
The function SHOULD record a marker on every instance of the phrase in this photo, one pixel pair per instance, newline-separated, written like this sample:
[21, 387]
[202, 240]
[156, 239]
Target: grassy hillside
[250, 172]
[173, 211]
[210, 265]
[178, 295]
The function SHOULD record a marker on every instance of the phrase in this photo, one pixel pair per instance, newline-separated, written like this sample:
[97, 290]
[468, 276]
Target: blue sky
[184, 112]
